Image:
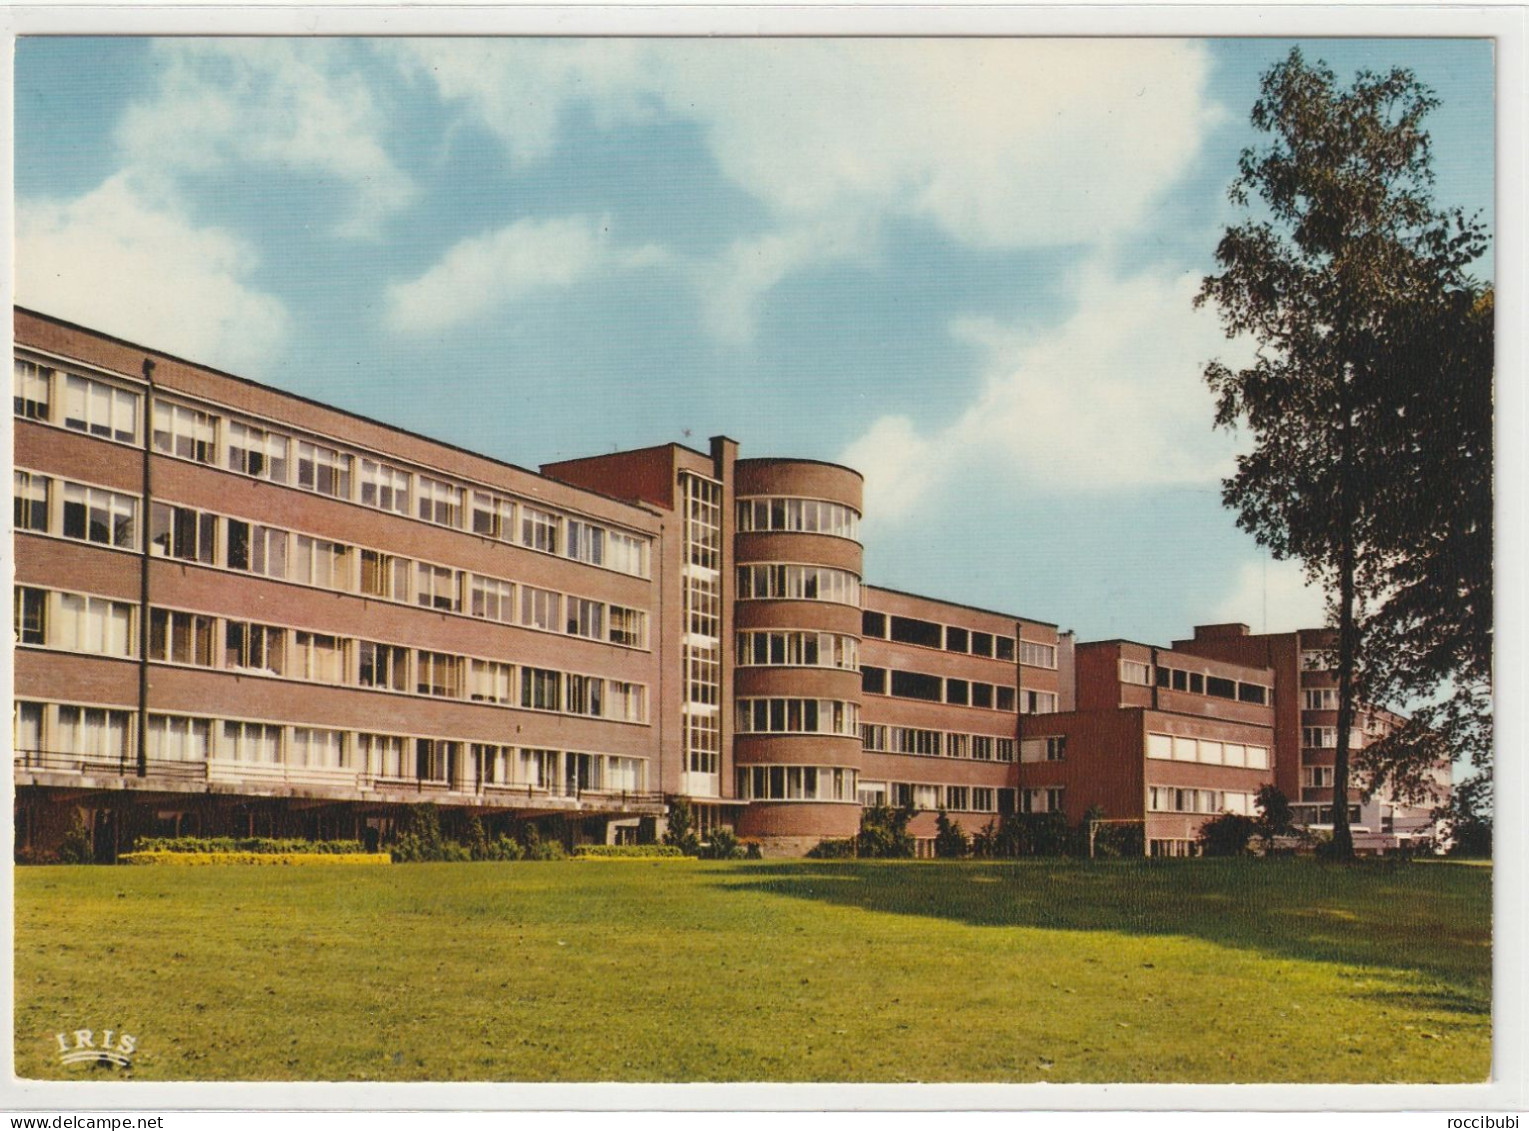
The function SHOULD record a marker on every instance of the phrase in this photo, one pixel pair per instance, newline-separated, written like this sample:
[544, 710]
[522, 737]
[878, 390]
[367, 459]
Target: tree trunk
[1343, 837]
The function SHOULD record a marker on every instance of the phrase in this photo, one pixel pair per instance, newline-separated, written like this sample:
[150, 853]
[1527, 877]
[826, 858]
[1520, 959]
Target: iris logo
[81, 1047]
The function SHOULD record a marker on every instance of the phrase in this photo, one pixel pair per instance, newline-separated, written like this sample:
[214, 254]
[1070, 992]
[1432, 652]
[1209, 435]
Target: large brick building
[241, 611]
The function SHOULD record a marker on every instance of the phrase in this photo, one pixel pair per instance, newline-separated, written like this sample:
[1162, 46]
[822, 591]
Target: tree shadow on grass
[1430, 921]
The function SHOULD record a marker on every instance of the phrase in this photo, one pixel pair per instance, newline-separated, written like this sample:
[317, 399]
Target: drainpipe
[144, 530]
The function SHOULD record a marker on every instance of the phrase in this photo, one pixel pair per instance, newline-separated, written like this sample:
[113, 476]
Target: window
[385, 576]
[804, 783]
[916, 685]
[268, 552]
[32, 390]
[1315, 660]
[1006, 697]
[957, 639]
[539, 608]
[586, 695]
[1052, 748]
[174, 738]
[1323, 738]
[256, 452]
[586, 542]
[958, 691]
[1004, 749]
[100, 409]
[1005, 648]
[492, 599]
[382, 755]
[93, 732]
[180, 532]
[627, 553]
[439, 674]
[1252, 693]
[93, 624]
[1317, 777]
[798, 582]
[629, 627]
[185, 432]
[492, 516]
[1220, 688]
[873, 624]
[251, 742]
[806, 516]
[958, 797]
[27, 732]
[1315, 698]
[627, 702]
[323, 469]
[316, 561]
[384, 486]
[982, 747]
[31, 615]
[873, 681]
[1041, 800]
[383, 666]
[982, 800]
[1035, 702]
[489, 681]
[982, 695]
[317, 657]
[982, 644]
[1134, 671]
[435, 587]
[31, 501]
[586, 618]
[439, 502]
[798, 716]
[320, 749]
[180, 638]
[624, 773]
[96, 515]
[254, 647]
[541, 689]
[1037, 655]
[538, 530]
[957, 745]
[908, 630]
[434, 759]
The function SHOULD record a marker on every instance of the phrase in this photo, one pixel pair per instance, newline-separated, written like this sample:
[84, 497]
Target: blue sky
[963, 266]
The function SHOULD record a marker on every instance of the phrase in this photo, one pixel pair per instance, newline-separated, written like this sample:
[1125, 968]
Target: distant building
[239, 611]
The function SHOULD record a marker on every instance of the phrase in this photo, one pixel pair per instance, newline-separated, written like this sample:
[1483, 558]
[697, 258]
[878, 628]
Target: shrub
[422, 841]
[538, 849]
[1032, 834]
[827, 849]
[884, 833]
[265, 846]
[78, 846]
[1275, 817]
[278, 859]
[723, 845]
[985, 841]
[680, 831]
[950, 840]
[1227, 835]
[627, 852]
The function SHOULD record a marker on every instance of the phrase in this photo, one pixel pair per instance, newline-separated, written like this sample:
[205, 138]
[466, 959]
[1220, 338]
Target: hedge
[258, 845]
[629, 852]
[285, 859]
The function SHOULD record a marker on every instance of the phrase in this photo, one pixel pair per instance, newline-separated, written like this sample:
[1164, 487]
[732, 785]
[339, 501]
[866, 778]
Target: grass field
[1172, 971]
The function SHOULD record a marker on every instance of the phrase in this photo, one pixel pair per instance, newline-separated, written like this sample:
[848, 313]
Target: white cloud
[1110, 398]
[999, 143]
[1273, 597]
[287, 105]
[119, 261]
[486, 271]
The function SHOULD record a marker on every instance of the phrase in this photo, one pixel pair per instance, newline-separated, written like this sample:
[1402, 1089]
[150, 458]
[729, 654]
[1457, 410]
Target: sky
[964, 267]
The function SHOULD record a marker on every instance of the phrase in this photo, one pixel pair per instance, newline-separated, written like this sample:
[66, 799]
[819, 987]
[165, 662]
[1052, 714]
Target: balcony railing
[265, 776]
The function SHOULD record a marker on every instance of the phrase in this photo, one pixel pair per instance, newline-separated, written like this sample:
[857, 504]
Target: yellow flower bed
[289, 859]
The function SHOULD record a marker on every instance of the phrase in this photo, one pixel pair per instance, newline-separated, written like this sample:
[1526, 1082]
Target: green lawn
[1172, 971]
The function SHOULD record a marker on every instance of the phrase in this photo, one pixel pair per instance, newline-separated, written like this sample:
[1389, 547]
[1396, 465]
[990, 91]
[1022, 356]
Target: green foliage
[1033, 834]
[950, 840]
[421, 841]
[1467, 821]
[1111, 841]
[627, 852]
[253, 844]
[1370, 392]
[680, 831]
[832, 848]
[536, 848]
[723, 845]
[1227, 835]
[1275, 817]
[78, 846]
[985, 841]
[884, 833]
